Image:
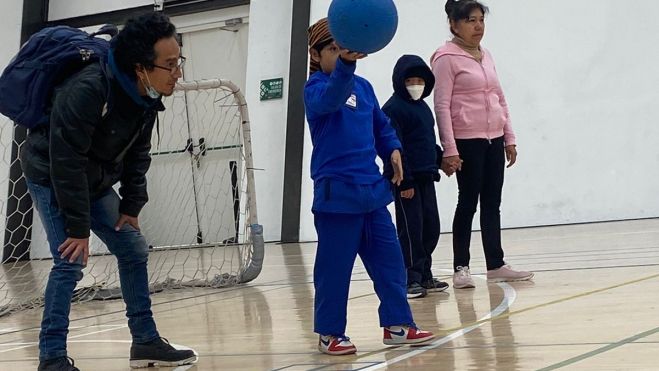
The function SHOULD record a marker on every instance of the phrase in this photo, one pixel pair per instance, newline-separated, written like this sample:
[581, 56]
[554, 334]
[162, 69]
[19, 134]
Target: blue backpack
[44, 61]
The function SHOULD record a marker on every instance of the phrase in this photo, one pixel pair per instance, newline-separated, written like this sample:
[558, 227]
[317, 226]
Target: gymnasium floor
[593, 305]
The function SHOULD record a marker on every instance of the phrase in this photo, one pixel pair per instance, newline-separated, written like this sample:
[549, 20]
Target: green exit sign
[272, 89]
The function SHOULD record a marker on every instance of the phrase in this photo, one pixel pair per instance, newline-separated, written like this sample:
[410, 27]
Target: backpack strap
[108, 29]
[109, 100]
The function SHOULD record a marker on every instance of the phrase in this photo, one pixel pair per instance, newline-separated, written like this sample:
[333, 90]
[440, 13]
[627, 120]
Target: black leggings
[417, 222]
[481, 175]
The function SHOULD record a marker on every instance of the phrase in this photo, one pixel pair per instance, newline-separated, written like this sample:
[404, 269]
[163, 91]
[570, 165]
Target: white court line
[70, 337]
[509, 296]
[74, 341]
[16, 344]
[112, 328]
[6, 331]
[70, 328]
[88, 326]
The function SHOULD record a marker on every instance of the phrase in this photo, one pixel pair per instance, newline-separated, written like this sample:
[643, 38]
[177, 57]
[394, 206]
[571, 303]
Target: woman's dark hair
[457, 10]
[134, 44]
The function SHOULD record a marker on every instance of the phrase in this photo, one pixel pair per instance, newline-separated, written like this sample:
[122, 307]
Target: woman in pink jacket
[475, 131]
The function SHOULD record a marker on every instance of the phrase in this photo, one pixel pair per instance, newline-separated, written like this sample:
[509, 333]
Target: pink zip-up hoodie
[469, 102]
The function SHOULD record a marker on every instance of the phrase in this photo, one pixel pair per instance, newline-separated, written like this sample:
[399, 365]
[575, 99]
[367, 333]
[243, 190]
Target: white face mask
[416, 91]
[150, 91]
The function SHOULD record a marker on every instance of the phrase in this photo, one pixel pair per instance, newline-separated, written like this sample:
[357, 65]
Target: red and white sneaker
[397, 335]
[336, 345]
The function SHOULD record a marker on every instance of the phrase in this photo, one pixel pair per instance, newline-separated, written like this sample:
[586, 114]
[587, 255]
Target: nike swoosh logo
[401, 333]
[326, 343]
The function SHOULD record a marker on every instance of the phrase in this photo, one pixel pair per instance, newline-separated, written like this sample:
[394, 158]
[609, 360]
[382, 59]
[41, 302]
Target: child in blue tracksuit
[348, 131]
[417, 215]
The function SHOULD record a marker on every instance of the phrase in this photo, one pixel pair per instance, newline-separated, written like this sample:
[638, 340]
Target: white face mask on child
[416, 91]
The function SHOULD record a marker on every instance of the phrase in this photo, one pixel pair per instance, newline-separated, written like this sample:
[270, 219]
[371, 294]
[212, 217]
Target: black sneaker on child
[58, 364]
[434, 285]
[159, 352]
[415, 290]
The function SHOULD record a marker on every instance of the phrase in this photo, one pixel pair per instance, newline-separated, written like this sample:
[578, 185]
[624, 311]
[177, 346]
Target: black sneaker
[58, 364]
[434, 285]
[158, 352]
[415, 290]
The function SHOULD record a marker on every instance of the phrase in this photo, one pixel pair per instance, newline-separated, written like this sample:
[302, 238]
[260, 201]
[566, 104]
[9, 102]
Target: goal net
[200, 221]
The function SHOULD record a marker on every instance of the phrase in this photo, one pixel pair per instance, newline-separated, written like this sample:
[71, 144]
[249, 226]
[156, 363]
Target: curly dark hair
[457, 10]
[134, 44]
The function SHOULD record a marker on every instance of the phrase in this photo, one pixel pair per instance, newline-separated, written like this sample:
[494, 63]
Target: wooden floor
[594, 305]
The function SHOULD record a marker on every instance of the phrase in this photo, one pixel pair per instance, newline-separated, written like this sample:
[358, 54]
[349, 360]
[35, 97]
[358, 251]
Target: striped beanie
[318, 34]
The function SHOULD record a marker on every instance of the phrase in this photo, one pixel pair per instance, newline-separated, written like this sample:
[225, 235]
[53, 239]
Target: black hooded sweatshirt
[414, 124]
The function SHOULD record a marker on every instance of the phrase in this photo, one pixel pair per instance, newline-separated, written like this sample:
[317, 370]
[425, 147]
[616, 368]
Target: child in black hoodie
[417, 215]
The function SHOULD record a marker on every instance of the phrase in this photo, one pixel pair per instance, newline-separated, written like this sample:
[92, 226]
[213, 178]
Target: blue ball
[364, 26]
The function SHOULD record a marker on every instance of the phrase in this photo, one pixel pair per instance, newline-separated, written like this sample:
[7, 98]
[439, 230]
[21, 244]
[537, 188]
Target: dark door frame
[294, 150]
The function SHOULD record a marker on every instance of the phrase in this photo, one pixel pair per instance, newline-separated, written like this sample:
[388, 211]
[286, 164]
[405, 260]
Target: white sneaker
[462, 278]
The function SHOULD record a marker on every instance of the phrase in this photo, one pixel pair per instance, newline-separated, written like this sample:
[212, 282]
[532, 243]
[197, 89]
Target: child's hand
[350, 56]
[451, 164]
[409, 193]
[397, 164]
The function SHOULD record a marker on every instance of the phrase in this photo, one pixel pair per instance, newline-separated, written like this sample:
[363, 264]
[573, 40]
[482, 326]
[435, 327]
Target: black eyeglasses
[173, 68]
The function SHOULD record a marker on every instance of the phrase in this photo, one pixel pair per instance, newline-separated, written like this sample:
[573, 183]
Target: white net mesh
[201, 218]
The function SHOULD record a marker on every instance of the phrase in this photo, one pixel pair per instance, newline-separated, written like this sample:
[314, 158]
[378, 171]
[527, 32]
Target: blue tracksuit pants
[340, 238]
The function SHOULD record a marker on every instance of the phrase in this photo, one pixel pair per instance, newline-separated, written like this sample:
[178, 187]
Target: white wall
[268, 57]
[60, 9]
[11, 14]
[570, 78]
[580, 78]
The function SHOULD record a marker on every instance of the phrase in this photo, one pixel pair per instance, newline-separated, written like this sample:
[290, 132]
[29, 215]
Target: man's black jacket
[97, 136]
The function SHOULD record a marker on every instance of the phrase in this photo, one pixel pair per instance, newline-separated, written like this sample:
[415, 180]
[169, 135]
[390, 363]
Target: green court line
[601, 350]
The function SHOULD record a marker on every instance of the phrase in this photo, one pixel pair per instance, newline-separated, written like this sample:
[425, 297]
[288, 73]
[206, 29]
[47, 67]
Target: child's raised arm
[322, 97]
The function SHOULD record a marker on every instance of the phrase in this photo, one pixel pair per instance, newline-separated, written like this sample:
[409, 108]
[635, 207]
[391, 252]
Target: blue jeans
[128, 245]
